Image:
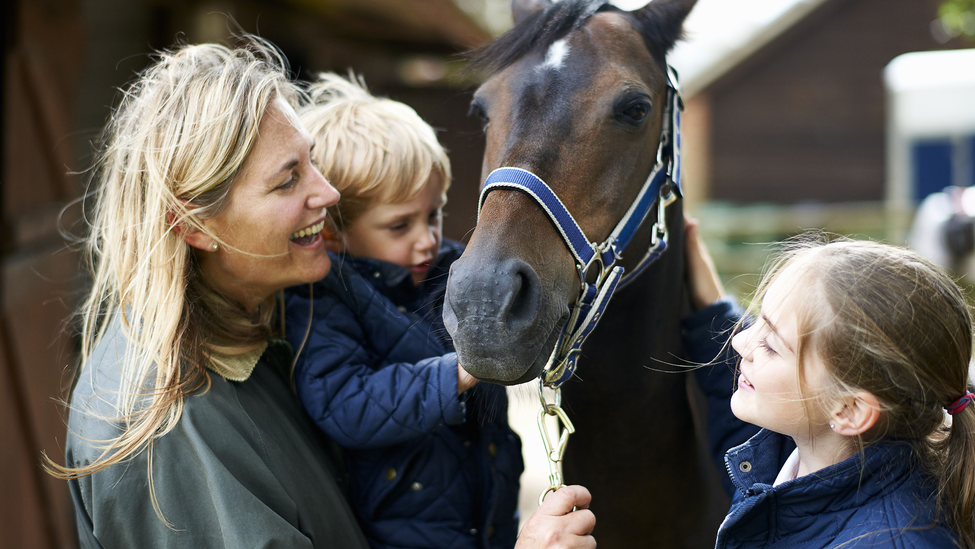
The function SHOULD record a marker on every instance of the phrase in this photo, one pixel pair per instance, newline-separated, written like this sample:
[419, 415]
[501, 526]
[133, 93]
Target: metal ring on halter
[609, 244]
[660, 231]
[541, 396]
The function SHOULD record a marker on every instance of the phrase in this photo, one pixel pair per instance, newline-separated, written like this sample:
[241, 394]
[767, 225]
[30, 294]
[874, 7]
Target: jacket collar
[754, 465]
[390, 275]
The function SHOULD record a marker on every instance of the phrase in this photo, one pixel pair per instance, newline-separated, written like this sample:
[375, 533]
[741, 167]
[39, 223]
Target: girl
[858, 353]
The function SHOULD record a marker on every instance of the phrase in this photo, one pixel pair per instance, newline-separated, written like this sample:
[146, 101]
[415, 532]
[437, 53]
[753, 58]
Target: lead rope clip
[563, 428]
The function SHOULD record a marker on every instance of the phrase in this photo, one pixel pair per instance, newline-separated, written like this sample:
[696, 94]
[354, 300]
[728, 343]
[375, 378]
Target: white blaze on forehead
[556, 55]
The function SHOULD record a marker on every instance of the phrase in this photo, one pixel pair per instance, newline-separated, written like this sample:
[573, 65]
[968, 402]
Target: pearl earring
[830, 425]
[214, 246]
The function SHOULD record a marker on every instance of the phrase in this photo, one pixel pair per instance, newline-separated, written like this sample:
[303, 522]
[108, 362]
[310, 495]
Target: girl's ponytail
[957, 473]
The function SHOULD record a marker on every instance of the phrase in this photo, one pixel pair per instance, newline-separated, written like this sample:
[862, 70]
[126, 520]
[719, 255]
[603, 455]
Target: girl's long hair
[886, 321]
[172, 150]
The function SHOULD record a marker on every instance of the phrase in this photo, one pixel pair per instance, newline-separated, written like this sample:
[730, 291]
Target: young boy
[432, 460]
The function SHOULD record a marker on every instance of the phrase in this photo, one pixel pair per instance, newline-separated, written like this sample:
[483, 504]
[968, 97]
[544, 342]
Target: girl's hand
[464, 380]
[555, 525]
[702, 277]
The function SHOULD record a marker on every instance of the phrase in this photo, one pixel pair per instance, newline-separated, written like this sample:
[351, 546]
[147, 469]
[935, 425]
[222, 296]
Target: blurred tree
[958, 17]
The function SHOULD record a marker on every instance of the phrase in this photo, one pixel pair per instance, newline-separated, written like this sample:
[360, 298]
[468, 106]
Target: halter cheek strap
[960, 403]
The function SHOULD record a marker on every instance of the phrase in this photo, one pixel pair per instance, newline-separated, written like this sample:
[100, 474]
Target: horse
[575, 94]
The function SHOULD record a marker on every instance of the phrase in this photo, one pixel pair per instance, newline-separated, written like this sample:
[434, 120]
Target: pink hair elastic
[960, 404]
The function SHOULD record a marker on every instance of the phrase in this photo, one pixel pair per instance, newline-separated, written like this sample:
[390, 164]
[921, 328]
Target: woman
[183, 428]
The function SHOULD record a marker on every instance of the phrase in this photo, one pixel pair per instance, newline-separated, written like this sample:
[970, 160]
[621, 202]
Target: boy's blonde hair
[371, 149]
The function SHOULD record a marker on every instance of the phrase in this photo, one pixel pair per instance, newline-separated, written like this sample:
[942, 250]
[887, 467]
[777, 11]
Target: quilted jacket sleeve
[706, 339]
[369, 376]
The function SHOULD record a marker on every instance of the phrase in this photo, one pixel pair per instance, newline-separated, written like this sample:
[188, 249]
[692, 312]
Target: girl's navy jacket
[377, 373]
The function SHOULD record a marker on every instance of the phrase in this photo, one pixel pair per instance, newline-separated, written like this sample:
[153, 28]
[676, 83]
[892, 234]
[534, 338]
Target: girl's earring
[831, 426]
[214, 246]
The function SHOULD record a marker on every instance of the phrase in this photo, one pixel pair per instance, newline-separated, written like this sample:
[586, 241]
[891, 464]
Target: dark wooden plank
[803, 118]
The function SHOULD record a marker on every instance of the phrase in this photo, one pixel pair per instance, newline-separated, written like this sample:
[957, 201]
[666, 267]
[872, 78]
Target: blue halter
[662, 187]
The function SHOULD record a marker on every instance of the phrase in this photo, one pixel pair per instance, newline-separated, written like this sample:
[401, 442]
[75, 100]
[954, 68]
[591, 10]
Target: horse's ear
[521, 9]
[663, 21]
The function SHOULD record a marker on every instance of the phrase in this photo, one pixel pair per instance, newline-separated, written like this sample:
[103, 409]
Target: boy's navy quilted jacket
[880, 499]
[378, 375]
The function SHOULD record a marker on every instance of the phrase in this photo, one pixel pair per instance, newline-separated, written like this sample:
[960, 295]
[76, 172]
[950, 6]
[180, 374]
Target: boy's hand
[555, 525]
[702, 277]
[464, 380]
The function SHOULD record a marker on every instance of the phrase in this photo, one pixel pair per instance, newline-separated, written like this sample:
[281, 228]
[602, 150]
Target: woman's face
[270, 226]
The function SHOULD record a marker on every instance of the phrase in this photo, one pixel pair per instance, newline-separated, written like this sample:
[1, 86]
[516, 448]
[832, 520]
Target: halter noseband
[661, 187]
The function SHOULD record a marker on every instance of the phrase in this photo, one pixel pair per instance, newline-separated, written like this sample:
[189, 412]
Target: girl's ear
[856, 414]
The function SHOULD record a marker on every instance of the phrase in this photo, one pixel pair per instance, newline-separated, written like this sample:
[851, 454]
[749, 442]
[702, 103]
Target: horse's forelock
[538, 31]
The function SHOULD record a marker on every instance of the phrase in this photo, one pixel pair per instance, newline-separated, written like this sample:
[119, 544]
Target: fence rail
[741, 238]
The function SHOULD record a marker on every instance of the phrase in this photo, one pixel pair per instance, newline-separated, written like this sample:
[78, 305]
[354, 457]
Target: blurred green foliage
[958, 17]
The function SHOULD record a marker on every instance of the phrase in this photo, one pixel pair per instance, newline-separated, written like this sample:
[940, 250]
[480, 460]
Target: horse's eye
[636, 111]
[478, 111]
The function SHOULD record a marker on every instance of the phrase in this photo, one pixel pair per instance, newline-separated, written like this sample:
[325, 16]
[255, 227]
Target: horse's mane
[538, 31]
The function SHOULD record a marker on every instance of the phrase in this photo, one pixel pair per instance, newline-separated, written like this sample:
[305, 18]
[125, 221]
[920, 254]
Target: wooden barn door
[43, 43]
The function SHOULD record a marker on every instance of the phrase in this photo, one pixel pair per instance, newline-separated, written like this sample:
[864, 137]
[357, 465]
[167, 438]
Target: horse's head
[576, 96]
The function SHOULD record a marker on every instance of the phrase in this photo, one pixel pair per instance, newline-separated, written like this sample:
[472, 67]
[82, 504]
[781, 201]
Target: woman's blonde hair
[884, 320]
[371, 149]
[172, 150]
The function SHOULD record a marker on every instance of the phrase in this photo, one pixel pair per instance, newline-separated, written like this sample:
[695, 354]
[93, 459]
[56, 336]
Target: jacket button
[491, 532]
[467, 444]
[401, 308]
[472, 531]
[493, 449]
[416, 487]
[376, 274]
[745, 466]
[390, 473]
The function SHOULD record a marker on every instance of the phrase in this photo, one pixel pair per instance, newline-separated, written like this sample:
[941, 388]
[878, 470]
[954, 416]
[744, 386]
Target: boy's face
[407, 234]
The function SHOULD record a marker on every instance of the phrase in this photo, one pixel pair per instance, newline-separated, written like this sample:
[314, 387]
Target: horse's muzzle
[502, 324]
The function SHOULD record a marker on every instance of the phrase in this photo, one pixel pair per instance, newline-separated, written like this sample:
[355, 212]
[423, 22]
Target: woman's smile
[308, 235]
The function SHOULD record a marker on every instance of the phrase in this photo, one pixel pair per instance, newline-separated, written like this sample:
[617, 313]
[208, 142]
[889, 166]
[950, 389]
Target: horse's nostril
[521, 303]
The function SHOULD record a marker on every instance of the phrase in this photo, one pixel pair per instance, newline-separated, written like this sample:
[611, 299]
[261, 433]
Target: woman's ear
[856, 414]
[197, 238]
[191, 235]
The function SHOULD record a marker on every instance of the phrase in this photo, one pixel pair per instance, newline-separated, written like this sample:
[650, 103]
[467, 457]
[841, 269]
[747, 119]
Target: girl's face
[407, 234]
[273, 217]
[768, 385]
